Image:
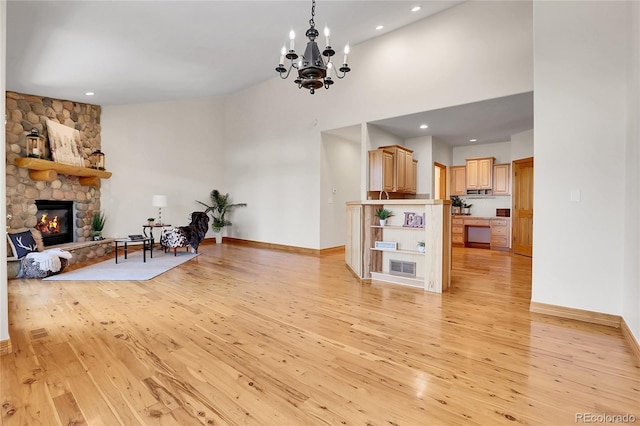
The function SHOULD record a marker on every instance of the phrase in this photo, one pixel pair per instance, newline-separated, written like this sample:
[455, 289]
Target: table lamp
[159, 201]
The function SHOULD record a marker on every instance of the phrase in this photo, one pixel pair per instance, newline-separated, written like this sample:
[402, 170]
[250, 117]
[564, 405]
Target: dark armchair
[186, 236]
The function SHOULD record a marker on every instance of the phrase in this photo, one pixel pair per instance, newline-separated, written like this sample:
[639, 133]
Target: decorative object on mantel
[47, 171]
[313, 72]
[97, 160]
[35, 144]
[383, 214]
[151, 221]
[412, 220]
[159, 201]
[65, 144]
[97, 224]
[219, 207]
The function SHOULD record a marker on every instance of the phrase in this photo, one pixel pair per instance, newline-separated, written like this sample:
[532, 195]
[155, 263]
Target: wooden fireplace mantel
[47, 171]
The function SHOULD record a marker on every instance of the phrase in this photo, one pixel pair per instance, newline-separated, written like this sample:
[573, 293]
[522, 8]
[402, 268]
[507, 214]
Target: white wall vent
[400, 267]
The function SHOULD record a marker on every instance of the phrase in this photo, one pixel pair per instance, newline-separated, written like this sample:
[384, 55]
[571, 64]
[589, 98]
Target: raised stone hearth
[81, 252]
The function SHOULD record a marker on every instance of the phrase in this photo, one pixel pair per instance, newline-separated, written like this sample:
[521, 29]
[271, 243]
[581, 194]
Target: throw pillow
[22, 243]
[36, 236]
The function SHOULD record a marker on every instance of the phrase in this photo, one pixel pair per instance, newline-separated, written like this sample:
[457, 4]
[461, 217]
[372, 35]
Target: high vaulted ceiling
[130, 52]
[148, 51]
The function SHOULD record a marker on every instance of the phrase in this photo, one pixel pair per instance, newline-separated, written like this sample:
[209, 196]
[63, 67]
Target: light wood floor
[243, 335]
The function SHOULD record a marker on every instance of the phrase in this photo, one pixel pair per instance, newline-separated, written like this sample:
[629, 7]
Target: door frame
[514, 188]
[443, 180]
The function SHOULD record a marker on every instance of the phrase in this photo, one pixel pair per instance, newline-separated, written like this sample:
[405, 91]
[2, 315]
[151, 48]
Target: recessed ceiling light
[473, 140]
[89, 93]
[424, 126]
[379, 27]
[415, 9]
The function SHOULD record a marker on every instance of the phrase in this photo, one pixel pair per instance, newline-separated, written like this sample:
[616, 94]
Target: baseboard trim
[291, 249]
[633, 343]
[576, 314]
[5, 347]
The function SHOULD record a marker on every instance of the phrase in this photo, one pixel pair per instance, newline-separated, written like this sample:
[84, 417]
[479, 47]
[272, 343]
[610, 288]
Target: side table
[147, 245]
[150, 227]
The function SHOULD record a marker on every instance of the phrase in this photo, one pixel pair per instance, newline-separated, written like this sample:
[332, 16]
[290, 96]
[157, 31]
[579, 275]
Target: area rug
[132, 269]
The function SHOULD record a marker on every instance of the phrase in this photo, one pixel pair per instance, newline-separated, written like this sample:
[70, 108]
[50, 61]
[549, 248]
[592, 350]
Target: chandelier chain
[313, 13]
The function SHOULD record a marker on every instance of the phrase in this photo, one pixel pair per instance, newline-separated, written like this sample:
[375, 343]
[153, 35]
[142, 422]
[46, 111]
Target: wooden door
[523, 207]
[388, 171]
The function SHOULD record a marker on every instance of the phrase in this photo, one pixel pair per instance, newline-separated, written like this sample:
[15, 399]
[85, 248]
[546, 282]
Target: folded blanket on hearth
[49, 260]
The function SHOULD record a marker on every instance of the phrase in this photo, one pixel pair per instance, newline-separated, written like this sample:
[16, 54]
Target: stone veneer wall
[25, 112]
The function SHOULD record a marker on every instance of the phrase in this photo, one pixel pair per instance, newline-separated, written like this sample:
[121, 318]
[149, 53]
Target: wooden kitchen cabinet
[501, 179]
[479, 174]
[457, 231]
[458, 184]
[500, 234]
[413, 176]
[392, 169]
[381, 170]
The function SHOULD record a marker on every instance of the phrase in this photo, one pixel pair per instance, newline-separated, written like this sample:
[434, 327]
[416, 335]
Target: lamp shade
[159, 201]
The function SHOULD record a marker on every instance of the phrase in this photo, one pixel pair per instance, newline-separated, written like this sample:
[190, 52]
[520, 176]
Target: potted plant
[151, 221]
[456, 204]
[421, 246]
[383, 214]
[220, 206]
[466, 208]
[97, 224]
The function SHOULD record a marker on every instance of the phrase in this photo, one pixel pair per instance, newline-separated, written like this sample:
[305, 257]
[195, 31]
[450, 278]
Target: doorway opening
[439, 181]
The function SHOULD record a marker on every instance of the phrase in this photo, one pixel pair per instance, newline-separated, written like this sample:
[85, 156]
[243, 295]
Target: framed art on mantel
[65, 144]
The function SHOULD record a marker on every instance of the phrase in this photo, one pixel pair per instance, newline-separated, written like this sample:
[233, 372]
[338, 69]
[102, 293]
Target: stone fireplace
[25, 112]
[55, 221]
[73, 203]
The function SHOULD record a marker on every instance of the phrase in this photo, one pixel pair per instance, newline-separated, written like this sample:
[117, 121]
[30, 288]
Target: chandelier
[313, 72]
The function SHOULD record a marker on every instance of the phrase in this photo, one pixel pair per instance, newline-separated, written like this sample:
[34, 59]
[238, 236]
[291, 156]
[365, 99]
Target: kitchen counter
[390, 253]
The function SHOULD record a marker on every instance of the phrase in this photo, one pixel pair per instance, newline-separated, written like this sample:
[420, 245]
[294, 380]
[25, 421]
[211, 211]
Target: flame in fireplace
[48, 226]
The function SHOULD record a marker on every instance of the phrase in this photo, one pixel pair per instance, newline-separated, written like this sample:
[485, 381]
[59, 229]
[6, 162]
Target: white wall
[379, 137]
[170, 148]
[273, 141]
[580, 136]
[4, 300]
[423, 152]
[340, 182]
[484, 205]
[522, 145]
[631, 290]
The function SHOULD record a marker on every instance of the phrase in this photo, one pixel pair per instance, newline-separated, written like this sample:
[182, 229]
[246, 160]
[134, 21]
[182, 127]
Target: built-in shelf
[416, 252]
[47, 171]
[397, 227]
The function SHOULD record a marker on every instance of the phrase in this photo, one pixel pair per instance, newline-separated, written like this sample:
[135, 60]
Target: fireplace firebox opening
[55, 221]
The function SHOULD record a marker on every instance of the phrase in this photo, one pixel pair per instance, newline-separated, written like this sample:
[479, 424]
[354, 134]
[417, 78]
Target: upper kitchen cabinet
[501, 179]
[479, 175]
[458, 184]
[392, 169]
[381, 170]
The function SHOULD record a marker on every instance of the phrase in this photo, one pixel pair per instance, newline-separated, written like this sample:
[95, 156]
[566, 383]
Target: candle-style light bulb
[346, 53]
[292, 37]
[326, 36]
[283, 51]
